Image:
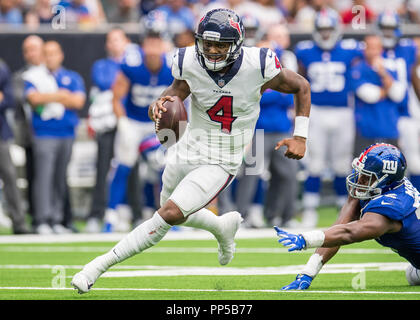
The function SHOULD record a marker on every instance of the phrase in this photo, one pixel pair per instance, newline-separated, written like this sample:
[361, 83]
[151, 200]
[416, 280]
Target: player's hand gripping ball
[170, 124]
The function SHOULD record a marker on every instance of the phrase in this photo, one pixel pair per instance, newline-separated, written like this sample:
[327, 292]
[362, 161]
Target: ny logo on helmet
[390, 166]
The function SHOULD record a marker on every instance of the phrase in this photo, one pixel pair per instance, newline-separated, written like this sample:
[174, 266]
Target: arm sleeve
[365, 91]
[369, 93]
[178, 64]
[28, 87]
[269, 63]
[78, 85]
[397, 91]
[100, 76]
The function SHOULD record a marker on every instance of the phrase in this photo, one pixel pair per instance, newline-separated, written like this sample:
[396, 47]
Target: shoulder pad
[348, 44]
[132, 56]
[305, 44]
[405, 42]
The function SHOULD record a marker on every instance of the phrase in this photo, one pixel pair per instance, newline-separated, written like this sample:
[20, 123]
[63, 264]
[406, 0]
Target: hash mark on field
[223, 291]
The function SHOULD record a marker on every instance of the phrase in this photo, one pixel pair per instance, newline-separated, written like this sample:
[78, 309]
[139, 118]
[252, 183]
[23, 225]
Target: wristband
[313, 266]
[301, 126]
[313, 239]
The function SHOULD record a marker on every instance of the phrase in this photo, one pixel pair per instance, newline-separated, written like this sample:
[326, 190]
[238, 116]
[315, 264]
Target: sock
[118, 187]
[206, 220]
[141, 238]
[340, 186]
[312, 184]
[311, 200]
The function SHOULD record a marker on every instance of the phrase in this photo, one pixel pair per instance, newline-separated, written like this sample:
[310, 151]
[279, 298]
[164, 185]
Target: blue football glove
[293, 241]
[302, 282]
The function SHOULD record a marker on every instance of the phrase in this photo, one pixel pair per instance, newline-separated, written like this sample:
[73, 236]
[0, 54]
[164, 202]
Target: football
[170, 128]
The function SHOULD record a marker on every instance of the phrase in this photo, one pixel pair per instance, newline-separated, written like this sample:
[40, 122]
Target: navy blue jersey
[374, 120]
[145, 87]
[405, 55]
[401, 204]
[328, 71]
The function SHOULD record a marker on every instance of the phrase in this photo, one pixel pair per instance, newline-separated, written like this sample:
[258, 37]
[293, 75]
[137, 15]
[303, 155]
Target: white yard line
[183, 234]
[169, 271]
[177, 249]
[222, 291]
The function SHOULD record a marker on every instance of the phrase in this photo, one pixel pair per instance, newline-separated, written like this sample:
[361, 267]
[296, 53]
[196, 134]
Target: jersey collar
[222, 80]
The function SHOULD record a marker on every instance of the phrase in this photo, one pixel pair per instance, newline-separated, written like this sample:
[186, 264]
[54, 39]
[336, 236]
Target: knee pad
[412, 275]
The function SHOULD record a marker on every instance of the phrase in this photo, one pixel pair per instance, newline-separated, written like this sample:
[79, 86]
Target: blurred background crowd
[69, 161]
[183, 14]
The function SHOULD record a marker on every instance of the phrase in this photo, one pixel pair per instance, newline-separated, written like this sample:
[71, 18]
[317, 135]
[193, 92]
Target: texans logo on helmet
[236, 26]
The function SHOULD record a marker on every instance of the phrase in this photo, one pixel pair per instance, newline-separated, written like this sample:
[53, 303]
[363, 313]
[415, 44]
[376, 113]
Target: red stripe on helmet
[372, 147]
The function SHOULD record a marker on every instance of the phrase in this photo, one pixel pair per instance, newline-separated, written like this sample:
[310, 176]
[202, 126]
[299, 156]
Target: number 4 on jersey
[222, 112]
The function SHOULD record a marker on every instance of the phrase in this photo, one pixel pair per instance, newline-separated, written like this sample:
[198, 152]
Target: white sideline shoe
[93, 225]
[231, 223]
[81, 283]
[44, 229]
[5, 221]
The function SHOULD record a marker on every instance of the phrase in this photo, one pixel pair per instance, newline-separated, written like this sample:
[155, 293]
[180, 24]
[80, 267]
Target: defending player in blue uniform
[382, 205]
[144, 74]
[404, 53]
[326, 63]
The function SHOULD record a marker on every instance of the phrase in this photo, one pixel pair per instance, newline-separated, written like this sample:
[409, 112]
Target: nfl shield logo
[221, 83]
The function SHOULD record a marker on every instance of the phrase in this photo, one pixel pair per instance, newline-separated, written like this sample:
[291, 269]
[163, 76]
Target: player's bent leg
[223, 228]
[141, 238]
[412, 275]
[198, 188]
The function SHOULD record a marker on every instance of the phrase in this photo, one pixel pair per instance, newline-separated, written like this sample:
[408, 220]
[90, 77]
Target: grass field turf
[32, 266]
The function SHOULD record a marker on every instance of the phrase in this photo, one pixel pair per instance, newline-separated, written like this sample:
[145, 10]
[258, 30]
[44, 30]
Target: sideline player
[382, 205]
[404, 56]
[325, 62]
[143, 75]
[225, 81]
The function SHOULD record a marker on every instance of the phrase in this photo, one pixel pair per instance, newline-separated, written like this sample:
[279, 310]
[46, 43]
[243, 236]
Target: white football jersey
[224, 108]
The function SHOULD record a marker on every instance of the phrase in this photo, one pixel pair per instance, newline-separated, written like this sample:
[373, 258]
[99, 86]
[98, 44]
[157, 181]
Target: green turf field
[189, 270]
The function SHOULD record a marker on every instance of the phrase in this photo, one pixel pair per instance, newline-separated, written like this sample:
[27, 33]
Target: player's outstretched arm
[371, 226]
[348, 213]
[178, 88]
[288, 81]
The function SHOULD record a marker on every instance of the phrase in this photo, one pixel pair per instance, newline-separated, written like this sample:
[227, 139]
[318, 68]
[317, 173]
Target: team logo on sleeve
[277, 62]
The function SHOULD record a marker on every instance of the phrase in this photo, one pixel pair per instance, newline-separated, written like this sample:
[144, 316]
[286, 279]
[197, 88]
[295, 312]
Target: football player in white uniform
[225, 81]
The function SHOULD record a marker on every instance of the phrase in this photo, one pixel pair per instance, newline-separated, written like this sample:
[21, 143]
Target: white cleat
[231, 223]
[81, 283]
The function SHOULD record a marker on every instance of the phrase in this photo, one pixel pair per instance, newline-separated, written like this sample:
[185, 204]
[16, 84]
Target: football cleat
[81, 283]
[231, 222]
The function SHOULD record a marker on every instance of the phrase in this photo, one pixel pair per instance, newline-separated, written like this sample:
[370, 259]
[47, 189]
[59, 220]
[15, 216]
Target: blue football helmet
[388, 24]
[380, 167]
[327, 29]
[220, 25]
[253, 30]
[155, 25]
